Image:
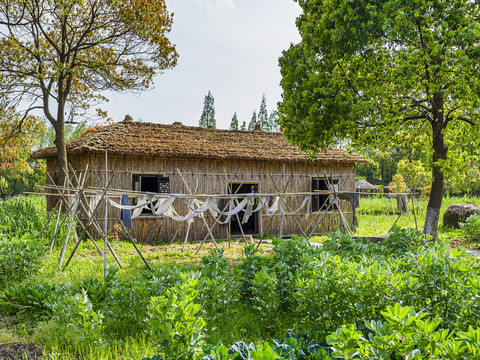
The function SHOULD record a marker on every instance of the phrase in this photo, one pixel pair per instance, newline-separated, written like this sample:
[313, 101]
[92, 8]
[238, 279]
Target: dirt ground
[20, 351]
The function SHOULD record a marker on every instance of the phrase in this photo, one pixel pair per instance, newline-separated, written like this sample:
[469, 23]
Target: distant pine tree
[253, 121]
[244, 126]
[263, 115]
[234, 123]
[208, 114]
[273, 121]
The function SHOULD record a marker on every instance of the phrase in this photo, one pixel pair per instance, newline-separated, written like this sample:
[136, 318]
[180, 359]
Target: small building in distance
[364, 186]
[180, 159]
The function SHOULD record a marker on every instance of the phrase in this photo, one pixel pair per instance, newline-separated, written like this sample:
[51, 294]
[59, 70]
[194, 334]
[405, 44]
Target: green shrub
[21, 216]
[246, 274]
[19, 259]
[77, 310]
[218, 290]
[265, 299]
[472, 226]
[401, 241]
[215, 263]
[173, 321]
[405, 334]
[289, 257]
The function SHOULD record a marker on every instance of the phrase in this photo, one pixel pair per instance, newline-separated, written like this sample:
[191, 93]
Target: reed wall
[212, 177]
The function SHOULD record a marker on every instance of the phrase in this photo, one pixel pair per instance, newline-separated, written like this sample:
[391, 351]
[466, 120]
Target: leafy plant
[77, 310]
[265, 299]
[174, 323]
[405, 334]
[472, 226]
[19, 258]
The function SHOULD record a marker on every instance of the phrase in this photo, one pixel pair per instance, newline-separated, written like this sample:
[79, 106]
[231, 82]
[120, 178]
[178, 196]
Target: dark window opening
[321, 201]
[251, 226]
[150, 183]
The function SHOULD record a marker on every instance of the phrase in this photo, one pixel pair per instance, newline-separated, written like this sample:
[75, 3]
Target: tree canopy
[253, 121]
[60, 57]
[208, 113]
[387, 72]
[234, 123]
[18, 135]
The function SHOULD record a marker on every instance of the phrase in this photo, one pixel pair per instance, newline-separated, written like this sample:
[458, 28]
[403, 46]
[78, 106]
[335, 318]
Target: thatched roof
[129, 138]
[364, 185]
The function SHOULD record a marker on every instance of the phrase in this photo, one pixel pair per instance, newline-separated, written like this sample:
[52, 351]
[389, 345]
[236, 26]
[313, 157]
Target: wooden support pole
[52, 241]
[413, 210]
[283, 191]
[289, 210]
[131, 240]
[86, 210]
[74, 210]
[319, 221]
[201, 215]
[213, 226]
[186, 236]
[105, 198]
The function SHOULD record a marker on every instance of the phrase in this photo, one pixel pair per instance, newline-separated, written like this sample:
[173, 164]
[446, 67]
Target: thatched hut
[180, 159]
[365, 187]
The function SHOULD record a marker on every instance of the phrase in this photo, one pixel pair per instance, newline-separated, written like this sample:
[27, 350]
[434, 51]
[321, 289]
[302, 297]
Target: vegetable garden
[345, 299]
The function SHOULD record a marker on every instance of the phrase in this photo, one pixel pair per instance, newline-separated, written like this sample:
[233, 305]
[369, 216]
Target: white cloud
[216, 6]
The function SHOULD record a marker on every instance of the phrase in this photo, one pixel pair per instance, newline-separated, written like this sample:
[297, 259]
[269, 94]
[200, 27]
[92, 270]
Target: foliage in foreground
[312, 291]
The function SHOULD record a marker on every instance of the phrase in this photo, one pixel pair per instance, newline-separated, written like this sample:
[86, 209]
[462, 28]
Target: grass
[376, 215]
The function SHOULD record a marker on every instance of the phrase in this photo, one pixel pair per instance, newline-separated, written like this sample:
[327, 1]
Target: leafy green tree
[253, 121]
[18, 134]
[244, 126]
[234, 123]
[389, 72]
[398, 184]
[370, 171]
[468, 183]
[414, 173]
[208, 114]
[262, 118]
[60, 57]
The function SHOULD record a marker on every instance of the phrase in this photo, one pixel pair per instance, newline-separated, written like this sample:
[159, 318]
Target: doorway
[251, 226]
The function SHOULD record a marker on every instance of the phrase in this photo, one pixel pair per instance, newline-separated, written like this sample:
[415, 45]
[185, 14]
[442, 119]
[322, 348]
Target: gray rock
[458, 213]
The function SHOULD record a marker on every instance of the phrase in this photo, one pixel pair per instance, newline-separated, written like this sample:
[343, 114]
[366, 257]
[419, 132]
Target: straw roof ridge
[364, 185]
[129, 138]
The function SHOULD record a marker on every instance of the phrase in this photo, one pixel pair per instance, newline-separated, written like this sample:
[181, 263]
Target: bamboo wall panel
[209, 178]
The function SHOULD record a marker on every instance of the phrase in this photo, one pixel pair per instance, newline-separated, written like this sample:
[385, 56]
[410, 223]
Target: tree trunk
[59, 142]
[439, 153]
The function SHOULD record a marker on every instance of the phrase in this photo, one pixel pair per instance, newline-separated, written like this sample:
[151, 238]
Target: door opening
[251, 226]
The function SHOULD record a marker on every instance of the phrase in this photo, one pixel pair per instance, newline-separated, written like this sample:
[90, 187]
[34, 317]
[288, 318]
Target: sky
[228, 47]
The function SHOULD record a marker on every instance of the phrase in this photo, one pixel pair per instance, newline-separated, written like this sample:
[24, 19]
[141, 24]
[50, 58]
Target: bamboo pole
[186, 235]
[319, 221]
[131, 240]
[93, 220]
[203, 218]
[52, 241]
[74, 210]
[289, 210]
[283, 190]
[105, 198]
[90, 217]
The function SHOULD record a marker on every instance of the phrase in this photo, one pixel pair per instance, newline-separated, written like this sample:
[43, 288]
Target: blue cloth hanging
[126, 215]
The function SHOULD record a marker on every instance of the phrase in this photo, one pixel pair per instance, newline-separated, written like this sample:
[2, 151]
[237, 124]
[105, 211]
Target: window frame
[321, 201]
[137, 186]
